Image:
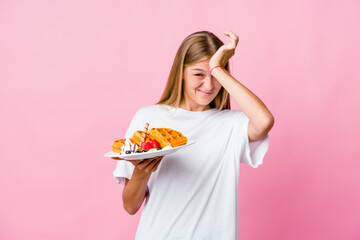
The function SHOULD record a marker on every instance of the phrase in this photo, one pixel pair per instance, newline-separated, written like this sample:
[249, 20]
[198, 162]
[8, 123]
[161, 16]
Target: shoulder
[232, 118]
[149, 110]
[230, 114]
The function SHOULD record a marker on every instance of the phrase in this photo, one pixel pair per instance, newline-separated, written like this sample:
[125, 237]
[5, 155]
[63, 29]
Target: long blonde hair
[195, 48]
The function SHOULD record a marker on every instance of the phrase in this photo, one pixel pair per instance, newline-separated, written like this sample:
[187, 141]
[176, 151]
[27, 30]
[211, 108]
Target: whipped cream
[153, 150]
[128, 146]
[167, 147]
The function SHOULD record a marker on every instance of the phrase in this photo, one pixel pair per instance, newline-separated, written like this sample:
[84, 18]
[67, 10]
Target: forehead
[203, 65]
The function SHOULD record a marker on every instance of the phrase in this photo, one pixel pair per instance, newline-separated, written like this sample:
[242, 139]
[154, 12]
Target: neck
[193, 107]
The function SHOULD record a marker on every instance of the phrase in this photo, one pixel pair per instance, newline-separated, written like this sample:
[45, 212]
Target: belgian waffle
[167, 137]
[117, 145]
[136, 138]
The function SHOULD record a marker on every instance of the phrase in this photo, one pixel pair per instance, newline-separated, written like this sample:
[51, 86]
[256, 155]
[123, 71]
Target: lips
[205, 93]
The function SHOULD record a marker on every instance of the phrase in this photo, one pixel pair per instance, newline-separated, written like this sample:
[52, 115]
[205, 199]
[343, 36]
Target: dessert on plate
[149, 141]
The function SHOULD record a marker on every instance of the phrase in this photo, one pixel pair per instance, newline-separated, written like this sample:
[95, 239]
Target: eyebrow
[198, 69]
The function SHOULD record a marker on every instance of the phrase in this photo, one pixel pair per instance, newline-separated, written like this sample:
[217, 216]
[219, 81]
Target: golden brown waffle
[136, 138]
[117, 145]
[167, 137]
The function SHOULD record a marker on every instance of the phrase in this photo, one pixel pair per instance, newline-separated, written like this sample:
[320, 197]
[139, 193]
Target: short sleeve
[124, 169]
[251, 153]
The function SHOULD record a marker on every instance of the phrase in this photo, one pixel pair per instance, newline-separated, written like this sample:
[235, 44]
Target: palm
[225, 52]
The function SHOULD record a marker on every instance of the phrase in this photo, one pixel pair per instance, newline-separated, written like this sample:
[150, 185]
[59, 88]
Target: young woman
[193, 193]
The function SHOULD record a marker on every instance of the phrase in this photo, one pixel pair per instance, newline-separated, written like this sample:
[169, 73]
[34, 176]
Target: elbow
[269, 123]
[131, 201]
[131, 212]
[130, 209]
[266, 126]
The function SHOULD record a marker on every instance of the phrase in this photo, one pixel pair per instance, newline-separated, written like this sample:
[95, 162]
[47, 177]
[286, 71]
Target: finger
[134, 162]
[152, 166]
[233, 37]
[156, 158]
[116, 158]
[159, 160]
[157, 164]
[144, 163]
[151, 160]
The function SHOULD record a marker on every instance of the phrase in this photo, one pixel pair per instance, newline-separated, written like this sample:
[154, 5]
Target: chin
[203, 102]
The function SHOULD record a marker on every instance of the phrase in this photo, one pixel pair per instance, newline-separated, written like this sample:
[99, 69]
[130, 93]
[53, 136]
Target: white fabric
[194, 192]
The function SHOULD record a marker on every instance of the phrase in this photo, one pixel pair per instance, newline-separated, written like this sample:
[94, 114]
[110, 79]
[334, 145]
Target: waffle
[136, 138]
[117, 145]
[167, 137]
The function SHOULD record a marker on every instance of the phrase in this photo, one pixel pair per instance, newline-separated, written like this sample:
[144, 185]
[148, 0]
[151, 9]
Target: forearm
[249, 103]
[135, 191]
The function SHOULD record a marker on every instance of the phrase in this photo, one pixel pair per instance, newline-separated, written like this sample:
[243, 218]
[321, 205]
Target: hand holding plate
[147, 165]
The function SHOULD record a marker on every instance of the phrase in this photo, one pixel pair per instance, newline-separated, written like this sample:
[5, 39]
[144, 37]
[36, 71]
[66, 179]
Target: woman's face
[200, 88]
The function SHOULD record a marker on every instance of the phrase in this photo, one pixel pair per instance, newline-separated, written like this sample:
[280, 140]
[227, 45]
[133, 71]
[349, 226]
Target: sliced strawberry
[142, 144]
[155, 144]
[147, 146]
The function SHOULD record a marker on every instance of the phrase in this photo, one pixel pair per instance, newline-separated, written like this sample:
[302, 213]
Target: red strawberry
[142, 144]
[147, 146]
[155, 144]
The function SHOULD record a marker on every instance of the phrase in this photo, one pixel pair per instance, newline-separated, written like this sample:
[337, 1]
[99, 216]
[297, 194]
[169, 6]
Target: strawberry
[147, 146]
[155, 144]
[142, 144]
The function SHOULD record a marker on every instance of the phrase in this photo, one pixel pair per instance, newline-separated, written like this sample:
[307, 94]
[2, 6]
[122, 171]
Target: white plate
[145, 155]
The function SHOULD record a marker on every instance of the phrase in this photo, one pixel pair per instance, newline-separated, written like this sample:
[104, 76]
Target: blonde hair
[195, 48]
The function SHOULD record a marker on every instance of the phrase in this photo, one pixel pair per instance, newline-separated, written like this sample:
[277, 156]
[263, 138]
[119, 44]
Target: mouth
[205, 93]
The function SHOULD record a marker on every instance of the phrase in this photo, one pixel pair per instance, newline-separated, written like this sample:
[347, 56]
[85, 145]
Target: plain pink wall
[74, 72]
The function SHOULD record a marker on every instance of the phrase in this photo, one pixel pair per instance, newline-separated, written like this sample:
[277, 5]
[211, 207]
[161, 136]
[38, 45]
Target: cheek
[190, 88]
[193, 84]
[217, 86]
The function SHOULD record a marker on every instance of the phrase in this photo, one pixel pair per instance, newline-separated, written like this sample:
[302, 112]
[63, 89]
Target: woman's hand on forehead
[225, 52]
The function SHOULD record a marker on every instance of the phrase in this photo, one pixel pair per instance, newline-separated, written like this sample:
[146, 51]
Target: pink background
[74, 72]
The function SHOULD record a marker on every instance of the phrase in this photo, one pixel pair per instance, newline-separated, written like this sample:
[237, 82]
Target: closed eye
[199, 74]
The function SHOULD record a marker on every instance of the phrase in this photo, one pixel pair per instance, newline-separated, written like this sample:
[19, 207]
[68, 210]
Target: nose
[208, 83]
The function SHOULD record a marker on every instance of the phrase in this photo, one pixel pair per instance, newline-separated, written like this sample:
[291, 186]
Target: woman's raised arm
[260, 118]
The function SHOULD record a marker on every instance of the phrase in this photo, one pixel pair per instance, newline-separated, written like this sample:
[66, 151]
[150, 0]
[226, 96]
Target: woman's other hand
[135, 189]
[225, 52]
[144, 165]
[147, 165]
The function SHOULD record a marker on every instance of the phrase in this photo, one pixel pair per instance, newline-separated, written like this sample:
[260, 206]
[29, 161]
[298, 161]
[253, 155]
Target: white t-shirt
[194, 192]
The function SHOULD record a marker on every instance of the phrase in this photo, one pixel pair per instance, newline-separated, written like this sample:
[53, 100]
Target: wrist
[217, 70]
[216, 67]
[140, 174]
